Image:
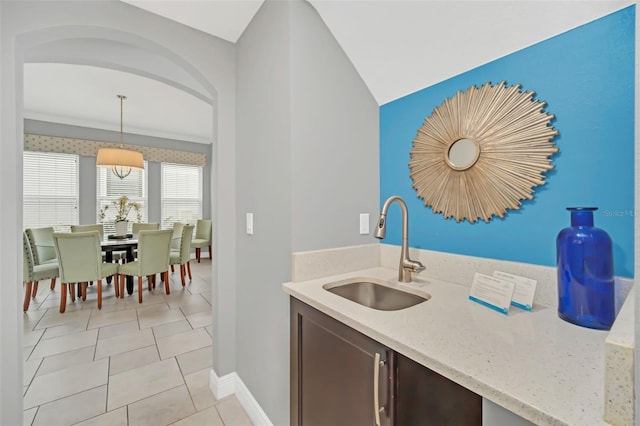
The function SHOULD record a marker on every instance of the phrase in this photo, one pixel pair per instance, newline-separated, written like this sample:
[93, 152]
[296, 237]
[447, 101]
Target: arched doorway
[117, 23]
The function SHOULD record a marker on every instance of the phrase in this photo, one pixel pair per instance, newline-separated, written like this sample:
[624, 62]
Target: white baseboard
[230, 384]
[222, 386]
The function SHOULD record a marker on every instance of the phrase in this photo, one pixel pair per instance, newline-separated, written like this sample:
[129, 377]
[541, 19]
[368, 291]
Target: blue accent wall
[586, 76]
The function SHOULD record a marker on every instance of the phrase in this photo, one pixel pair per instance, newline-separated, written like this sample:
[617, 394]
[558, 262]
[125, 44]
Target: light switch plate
[249, 223]
[364, 223]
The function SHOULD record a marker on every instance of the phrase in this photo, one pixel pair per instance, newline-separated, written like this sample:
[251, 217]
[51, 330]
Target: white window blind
[111, 187]
[181, 194]
[50, 190]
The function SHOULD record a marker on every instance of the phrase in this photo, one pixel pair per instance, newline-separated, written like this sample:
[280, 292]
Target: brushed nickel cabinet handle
[376, 387]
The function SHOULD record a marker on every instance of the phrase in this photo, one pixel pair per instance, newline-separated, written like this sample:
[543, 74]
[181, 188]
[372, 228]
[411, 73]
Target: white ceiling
[397, 46]
[82, 95]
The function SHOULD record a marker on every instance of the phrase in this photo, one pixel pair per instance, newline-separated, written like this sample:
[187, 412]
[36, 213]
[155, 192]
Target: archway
[55, 24]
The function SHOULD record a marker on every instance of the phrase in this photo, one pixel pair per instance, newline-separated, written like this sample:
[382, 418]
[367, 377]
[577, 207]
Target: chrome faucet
[407, 266]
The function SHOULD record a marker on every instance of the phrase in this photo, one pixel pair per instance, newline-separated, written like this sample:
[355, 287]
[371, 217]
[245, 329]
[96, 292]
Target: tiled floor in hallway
[126, 364]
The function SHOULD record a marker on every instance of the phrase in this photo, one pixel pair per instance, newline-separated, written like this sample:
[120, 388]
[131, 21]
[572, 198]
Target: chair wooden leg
[63, 297]
[99, 294]
[122, 279]
[53, 283]
[84, 286]
[189, 270]
[34, 290]
[149, 283]
[172, 270]
[165, 274]
[182, 272]
[72, 291]
[198, 254]
[116, 285]
[27, 295]
[139, 289]
[210, 258]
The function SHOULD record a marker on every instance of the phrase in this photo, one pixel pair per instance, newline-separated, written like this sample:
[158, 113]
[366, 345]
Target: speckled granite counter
[531, 363]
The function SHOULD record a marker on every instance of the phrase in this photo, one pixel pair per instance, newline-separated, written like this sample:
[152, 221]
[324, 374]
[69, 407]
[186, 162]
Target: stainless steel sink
[375, 295]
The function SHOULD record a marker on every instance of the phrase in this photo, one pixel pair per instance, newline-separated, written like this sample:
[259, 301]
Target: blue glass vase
[586, 294]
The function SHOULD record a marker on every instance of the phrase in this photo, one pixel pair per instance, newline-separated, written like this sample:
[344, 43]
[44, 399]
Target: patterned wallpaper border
[42, 143]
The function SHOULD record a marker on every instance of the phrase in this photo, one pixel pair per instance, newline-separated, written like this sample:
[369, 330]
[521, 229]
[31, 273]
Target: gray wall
[87, 172]
[307, 148]
[334, 134]
[264, 189]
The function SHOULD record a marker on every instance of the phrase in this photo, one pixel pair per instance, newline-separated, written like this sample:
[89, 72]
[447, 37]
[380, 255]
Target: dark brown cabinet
[339, 377]
[425, 398]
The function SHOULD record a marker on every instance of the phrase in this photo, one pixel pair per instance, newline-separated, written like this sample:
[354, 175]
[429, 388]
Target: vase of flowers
[123, 207]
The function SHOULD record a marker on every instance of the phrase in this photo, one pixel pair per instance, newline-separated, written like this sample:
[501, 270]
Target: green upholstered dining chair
[153, 257]
[177, 235]
[32, 273]
[86, 228]
[137, 227]
[41, 241]
[203, 237]
[80, 259]
[116, 255]
[181, 257]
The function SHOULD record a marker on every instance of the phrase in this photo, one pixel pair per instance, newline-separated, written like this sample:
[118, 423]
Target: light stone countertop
[532, 363]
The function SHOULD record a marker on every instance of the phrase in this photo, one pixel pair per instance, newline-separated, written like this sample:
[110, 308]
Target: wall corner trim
[230, 384]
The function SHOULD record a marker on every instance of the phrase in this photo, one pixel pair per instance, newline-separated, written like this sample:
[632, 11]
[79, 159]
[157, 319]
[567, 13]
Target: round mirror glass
[463, 154]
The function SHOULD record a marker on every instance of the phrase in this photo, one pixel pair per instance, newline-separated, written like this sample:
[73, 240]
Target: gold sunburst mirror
[482, 152]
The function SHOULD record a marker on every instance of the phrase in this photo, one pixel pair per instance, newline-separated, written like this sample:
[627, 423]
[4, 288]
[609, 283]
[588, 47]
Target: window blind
[181, 194]
[111, 187]
[50, 190]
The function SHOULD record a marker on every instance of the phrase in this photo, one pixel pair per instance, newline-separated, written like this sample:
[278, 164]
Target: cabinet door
[424, 398]
[332, 372]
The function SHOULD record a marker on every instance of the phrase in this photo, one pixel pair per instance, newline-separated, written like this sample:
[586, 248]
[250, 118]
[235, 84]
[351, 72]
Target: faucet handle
[413, 265]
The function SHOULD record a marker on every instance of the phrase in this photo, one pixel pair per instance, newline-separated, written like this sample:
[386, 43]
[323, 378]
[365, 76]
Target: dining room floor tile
[65, 329]
[116, 417]
[159, 317]
[232, 412]
[61, 383]
[53, 318]
[72, 409]
[133, 359]
[188, 341]
[102, 319]
[124, 343]
[118, 329]
[142, 364]
[200, 319]
[209, 417]
[193, 361]
[163, 408]
[168, 329]
[66, 343]
[142, 382]
[198, 385]
[61, 361]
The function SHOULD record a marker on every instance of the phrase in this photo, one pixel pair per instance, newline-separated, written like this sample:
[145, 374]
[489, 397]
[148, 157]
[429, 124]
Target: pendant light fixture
[120, 160]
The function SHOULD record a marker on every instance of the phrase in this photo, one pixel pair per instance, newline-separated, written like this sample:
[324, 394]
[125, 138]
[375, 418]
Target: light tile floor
[126, 364]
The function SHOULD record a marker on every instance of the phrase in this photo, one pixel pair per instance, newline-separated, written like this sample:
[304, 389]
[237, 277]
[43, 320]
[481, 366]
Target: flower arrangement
[123, 207]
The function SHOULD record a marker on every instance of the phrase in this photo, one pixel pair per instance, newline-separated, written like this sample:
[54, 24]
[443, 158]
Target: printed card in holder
[492, 292]
[524, 292]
